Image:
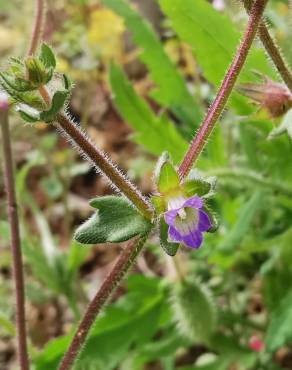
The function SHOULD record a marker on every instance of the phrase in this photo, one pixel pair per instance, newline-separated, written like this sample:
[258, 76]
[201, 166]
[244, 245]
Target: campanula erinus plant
[180, 209]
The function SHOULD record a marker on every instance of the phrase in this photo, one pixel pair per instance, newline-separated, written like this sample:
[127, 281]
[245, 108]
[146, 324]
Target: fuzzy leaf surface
[114, 221]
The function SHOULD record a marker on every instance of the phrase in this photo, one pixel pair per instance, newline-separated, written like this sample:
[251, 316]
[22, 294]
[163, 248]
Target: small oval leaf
[194, 311]
[47, 56]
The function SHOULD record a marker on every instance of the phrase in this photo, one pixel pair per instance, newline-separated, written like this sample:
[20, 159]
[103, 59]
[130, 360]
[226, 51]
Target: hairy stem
[15, 243]
[124, 262]
[100, 160]
[37, 28]
[225, 89]
[272, 49]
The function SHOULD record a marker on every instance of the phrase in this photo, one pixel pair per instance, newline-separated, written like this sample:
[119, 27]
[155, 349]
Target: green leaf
[166, 177]
[57, 105]
[213, 38]
[244, 221]
[280, 328]
[17, 84]
[47, 56]
[171, 88]
[156, 134]
[123, 324]
[115, 221]
[170, 248]
[40, 266]
[194, 311]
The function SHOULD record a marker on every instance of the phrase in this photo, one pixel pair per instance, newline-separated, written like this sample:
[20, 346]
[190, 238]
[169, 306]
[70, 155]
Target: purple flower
[186, 221]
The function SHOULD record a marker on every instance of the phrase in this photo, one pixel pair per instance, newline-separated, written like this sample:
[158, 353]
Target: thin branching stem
[272, 49]
[37, 27]
[124, 262]
[15, 243]
[225, 89]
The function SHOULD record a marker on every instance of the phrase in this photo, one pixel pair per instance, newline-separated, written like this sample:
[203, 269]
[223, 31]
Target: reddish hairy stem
[124, 262]
[15, 244]
[272, 49]
[106, 166]
[37, 28]
[100, 160]
[225, 89]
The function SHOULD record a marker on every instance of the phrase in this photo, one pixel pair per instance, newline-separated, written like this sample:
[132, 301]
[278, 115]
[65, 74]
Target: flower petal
[193, 202]
[170, 216]
[174, 235]
[204, 221]
[193, 240]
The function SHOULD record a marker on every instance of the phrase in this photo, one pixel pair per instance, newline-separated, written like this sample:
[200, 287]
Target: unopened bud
[4, 103]
[36, 71]
[274, 97]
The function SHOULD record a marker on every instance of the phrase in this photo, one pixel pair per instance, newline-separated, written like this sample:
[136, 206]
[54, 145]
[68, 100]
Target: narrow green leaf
[115, 221]
[156, 134]
[245, 218]
[171, 88]
[280, 328]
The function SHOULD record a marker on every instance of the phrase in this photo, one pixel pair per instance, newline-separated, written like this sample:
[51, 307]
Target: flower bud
[274, 97]
[36, 71]
[4, 103]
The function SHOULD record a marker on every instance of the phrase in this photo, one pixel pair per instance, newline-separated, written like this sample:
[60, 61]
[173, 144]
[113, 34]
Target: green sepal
[37, 73]
[158, 203]
[58, 102]
[66, 82]
[196, 186]
[115, 221]
[28, 117]
[166, 177]
[47, 56]
[168, 247]
[213, 219]
[29, 98]
[16, 83]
